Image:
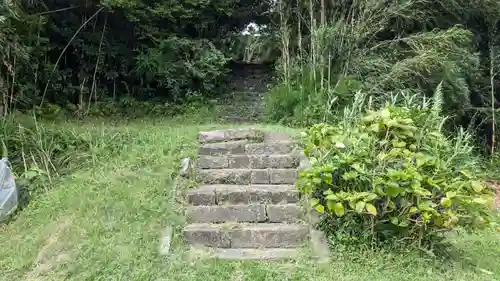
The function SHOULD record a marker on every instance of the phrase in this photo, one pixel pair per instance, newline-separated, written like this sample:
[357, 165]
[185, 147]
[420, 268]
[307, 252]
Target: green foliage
[392, 176]
[41, 153]
[302, 102]
[79, 55]
[179, 65]
[387, 47]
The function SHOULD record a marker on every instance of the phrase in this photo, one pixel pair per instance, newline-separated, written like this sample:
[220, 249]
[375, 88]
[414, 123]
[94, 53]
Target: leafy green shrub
[392, 175]
[302, 101]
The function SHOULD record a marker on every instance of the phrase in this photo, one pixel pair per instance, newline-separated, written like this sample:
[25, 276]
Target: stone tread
[230, 134]
[247, 176]
[244, 213]
[242, 147]
[223, 148]
[247, 235]
[243, 194]
[239, 134]
[245, 161]
[219, 214]
[256, 254]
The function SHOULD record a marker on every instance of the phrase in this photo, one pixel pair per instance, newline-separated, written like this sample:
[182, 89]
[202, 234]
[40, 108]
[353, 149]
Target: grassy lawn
[104, 223]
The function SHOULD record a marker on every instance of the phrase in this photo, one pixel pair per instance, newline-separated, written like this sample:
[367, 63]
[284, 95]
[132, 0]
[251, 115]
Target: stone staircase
[246, 206]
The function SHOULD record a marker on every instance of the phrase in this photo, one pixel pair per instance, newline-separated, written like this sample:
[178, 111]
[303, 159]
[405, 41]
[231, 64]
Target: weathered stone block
[320, 247]
[259, 161]
[273, 161]
[250, 134]
[272, 235]
[256, 254]
[236, 213]
[231, 134]
[212, 162]
[283, 176]
[259, 176]
[304, 162]
[269, 148]
[283, 161]
[239, 162]
[207, 235]
[276, 137]
[202, 196]
[224, 176]
[186, 167]
[272, 194]
[233, 194]
[283, 213]
[213, 136]
[223, 148]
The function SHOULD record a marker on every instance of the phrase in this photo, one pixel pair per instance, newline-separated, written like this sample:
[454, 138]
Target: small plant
[391, 176]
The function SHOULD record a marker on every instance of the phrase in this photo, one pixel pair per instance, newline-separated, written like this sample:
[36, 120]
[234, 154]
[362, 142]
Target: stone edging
[319, 241]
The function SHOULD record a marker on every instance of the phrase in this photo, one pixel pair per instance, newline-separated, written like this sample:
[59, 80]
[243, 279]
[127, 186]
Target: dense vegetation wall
[74, 53]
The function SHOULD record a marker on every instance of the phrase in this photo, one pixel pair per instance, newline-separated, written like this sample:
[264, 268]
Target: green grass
[104, 223]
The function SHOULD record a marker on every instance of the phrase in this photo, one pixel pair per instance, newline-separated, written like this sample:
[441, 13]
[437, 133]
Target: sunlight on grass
[104, 223]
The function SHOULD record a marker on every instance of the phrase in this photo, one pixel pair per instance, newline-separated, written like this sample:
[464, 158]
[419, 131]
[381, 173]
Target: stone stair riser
[223, 148]
[270, 148]
[244, 213]
[256, 254]
[247, 236]
[273, 161]
[289, 213]
[248, 161]
[242, 147]
[247, 176]
[218, 214]
[231, 194]
[229, 135]
[276, 196]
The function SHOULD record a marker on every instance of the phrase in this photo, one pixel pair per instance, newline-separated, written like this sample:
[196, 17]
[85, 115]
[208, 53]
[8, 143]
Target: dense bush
[179, 66]
[391, 176]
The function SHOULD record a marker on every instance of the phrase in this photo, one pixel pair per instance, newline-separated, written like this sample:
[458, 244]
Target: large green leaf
[477, 186]
[446, 202]
[360, 206]
[371, 209]
[320, 208]
[338, 208]
[393, 189]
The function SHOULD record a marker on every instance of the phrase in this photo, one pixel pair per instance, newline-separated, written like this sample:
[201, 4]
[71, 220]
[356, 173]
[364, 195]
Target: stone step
[247, 176]
[233, 213]
[244, 213]
[256, 254]
[253, 235]
[243, 194]
[280, 161]
[241, 147]
[278, 147]
[231, 135]
[223, 148]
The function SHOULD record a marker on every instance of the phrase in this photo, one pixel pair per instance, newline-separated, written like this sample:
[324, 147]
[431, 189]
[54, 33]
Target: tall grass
[332, 50]
[41, 152]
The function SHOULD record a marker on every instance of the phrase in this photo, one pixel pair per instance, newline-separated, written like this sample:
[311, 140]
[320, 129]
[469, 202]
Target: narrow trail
[244, 101]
